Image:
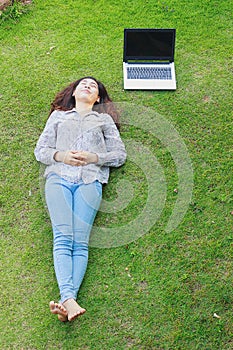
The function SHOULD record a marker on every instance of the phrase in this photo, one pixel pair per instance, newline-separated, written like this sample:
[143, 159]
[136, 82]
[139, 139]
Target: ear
[73, 94]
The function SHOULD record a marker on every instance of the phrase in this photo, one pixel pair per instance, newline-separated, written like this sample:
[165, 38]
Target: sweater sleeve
[46, 145]
[115, 154]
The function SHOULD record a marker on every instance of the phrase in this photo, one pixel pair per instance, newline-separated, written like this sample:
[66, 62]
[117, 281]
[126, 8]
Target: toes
[76, 314]
[52, 305]
[62, 308]
[57, 308]
[72, 318]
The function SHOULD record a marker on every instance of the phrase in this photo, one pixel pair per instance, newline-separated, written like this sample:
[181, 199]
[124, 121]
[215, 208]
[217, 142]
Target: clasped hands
[76, 158]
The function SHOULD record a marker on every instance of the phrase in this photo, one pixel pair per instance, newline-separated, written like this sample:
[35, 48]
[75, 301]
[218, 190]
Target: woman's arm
[46, 145]
[116, 153]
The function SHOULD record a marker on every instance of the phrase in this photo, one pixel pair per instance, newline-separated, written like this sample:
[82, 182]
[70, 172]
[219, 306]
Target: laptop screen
[149, 44]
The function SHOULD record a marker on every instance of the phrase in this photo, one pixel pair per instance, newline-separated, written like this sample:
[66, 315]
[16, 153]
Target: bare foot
[59, 310]
[73, 309]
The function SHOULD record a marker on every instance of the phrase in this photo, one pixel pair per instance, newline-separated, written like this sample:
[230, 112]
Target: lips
[86, 90]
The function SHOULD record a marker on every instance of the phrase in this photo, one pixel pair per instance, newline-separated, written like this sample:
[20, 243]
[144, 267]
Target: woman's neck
[83, 108]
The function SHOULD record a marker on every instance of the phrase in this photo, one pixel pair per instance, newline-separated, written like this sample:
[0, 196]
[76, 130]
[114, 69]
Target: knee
[63, 236]
[80, 248]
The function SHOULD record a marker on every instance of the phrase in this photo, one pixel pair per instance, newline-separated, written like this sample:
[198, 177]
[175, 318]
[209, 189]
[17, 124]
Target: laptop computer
[148, 59]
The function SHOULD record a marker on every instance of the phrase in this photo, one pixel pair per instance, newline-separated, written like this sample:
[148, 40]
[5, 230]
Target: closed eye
[92, 84]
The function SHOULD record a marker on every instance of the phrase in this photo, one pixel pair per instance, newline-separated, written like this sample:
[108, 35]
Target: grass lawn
[164, 281]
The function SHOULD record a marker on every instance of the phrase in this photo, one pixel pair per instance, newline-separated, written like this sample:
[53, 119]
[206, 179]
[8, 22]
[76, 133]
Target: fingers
[87, 157]
[79, 158]
[72, 158]
[76, 162]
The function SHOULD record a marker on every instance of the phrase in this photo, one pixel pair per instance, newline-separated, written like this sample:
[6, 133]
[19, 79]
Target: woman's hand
[76, 158]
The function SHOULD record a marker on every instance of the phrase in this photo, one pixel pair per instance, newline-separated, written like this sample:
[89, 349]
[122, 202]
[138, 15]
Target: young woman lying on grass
[79, 143]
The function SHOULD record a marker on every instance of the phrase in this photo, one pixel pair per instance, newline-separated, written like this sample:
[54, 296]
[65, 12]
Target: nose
[87, 86]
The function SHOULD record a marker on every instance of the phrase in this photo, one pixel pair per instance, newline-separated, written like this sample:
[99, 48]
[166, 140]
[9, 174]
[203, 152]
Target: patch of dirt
[5, 3]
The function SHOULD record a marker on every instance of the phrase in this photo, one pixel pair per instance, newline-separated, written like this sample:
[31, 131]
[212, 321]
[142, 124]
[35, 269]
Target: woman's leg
[59, 200]
[87, 199]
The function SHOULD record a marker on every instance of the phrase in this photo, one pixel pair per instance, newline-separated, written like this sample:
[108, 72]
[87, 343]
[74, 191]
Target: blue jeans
[72, 208]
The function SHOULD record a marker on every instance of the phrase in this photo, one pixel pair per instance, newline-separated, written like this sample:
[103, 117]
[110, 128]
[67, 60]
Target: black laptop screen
[149, 44]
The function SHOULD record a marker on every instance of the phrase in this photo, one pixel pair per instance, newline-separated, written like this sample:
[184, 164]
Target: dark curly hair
[64, 100]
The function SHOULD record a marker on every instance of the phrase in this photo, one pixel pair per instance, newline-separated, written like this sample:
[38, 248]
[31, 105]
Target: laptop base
[149, 84]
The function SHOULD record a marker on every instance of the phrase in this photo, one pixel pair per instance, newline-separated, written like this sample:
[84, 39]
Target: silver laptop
[148, 60]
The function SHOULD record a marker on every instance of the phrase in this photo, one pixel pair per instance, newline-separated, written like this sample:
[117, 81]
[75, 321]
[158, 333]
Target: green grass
[160, 291]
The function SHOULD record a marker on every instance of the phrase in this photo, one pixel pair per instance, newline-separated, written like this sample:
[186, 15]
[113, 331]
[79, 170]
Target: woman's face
[87, 91]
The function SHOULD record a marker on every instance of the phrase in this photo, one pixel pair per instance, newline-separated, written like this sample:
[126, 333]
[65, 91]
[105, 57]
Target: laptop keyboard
[161, 73]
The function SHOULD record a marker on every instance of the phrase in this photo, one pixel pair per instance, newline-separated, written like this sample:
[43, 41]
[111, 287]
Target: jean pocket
[99, 187]
[51, 175]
